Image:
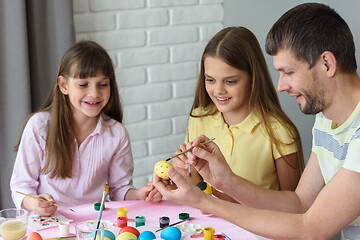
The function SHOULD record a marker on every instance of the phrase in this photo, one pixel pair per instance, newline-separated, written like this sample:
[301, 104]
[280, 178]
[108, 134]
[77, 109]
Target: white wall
[259, 16]
[156, 46]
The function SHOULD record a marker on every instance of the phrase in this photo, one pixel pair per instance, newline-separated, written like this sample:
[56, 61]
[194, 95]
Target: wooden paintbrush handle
[41, 199]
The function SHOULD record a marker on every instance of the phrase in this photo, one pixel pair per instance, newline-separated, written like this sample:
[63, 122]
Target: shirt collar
[99, 129]
[247, 125]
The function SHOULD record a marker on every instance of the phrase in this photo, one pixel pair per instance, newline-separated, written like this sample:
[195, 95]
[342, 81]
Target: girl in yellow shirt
[236, 103]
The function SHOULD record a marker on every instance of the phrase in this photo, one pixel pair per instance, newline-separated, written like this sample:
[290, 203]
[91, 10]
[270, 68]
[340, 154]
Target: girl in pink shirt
[76, 143]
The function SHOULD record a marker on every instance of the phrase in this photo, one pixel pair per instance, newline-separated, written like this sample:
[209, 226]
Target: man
[313, 49]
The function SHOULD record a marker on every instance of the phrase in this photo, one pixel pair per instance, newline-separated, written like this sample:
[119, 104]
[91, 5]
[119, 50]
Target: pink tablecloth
[152, 213]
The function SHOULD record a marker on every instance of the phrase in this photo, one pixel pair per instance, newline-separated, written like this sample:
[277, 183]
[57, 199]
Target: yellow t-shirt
[245, 146]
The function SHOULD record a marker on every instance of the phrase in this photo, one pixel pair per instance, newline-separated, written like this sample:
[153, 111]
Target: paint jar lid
[122, 212]
[184, 216]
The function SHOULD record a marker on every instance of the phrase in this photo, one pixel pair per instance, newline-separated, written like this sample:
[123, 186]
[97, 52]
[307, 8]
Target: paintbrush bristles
[106, 188]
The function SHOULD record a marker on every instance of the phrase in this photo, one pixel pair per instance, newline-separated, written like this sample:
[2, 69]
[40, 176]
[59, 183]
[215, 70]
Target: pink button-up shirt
[103, 157]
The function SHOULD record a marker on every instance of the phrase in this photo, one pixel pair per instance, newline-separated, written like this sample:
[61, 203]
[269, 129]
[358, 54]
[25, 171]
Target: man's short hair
[310, 29]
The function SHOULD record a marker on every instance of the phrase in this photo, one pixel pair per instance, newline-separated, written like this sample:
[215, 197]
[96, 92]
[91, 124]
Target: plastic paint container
[122, 222]
[139, 221]
[98, 205]
[164, 221]
[209, 233]
[64, 228]
[183, 216]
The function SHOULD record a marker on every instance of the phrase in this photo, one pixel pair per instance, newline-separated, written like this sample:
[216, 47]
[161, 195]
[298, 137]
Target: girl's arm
[147, 192]
[27, 165]
[288, 171]
[120, 172]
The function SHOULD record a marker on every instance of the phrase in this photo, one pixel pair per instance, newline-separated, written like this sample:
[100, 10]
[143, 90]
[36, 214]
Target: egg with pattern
[161, 168]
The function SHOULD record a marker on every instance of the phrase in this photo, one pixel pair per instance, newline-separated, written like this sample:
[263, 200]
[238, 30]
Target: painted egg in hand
[161, 169]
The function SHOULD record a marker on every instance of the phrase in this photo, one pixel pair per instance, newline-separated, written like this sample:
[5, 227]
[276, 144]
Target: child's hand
[149, 193]
[42, 208]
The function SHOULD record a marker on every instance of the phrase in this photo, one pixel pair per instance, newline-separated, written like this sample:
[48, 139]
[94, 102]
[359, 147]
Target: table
[152, 213]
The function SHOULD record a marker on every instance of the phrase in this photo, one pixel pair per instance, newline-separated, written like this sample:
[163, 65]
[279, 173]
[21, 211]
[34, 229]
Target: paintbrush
[227, 238]
[105, 192]
[173, 224]
[59, 238]
[200, 145]
[43, 200]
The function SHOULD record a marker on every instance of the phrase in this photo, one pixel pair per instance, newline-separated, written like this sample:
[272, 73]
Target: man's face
[300, 82]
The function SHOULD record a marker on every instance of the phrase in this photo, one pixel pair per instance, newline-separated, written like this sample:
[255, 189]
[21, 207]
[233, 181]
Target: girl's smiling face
[228, 88]
[88, 96]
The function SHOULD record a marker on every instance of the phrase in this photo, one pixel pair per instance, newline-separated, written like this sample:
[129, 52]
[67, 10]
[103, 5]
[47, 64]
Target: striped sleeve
[352, 161]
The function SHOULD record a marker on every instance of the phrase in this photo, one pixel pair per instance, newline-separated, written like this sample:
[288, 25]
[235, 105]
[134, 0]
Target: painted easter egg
[130, 229]
[147, 235]
[171, 233]
[161, 169]
[34, 236]
[126, 236]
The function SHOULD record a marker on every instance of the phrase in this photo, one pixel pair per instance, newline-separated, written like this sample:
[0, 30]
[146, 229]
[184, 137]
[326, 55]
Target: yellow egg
[161, 169]
[34, 236]
[126, 236]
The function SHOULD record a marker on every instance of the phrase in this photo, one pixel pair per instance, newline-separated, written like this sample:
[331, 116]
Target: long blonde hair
[83, 59]
[239, 48]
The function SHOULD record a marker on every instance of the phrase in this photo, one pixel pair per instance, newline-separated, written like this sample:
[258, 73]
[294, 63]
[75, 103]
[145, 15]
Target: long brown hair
[83, 59]
[239, 48]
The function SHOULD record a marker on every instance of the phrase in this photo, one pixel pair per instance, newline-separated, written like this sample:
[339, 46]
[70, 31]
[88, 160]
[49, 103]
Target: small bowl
[13, 223]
